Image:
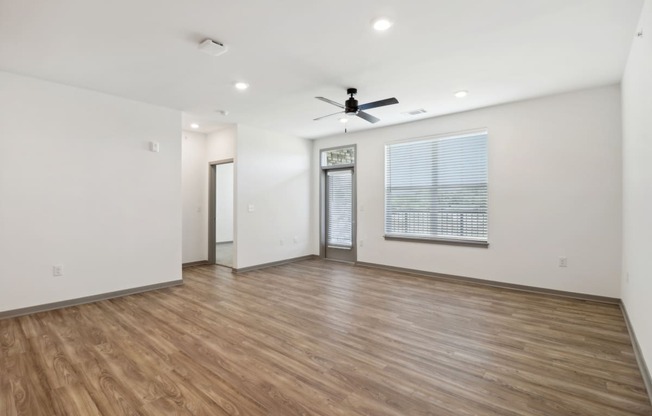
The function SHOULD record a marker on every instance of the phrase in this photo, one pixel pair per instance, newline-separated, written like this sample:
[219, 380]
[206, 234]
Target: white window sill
[451, 241]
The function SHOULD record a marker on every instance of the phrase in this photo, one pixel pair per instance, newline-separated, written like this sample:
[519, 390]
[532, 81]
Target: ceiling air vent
[414, 112]
[212, 47]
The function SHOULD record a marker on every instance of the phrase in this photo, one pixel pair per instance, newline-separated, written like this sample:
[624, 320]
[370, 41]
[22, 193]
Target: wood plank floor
[321, 338]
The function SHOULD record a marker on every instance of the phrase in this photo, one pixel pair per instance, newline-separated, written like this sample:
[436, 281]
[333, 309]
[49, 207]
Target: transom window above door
[342, 156]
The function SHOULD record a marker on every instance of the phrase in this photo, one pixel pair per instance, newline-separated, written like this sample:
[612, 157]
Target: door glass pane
[340, 208]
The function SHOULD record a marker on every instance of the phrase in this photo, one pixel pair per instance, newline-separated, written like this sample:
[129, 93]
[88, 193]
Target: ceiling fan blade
[326, 100]
[380, 103]
[368, 117]
[319, 118]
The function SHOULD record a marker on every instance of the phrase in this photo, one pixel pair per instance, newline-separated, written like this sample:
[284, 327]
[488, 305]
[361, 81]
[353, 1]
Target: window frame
[436, 240]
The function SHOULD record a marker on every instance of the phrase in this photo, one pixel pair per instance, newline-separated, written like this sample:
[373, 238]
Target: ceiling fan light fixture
[381, 24]
[352, 108]
[344, 120]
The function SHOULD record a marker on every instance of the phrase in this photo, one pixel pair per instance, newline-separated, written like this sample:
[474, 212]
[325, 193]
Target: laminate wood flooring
[322, 338]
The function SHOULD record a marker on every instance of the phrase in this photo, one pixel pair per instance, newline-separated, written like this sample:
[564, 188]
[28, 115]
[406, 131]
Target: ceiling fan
[352, 108]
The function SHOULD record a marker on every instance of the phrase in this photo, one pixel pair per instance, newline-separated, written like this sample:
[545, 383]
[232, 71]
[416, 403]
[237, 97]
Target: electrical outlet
[361, 243]
[563, 262]
[57, 270]
[295, 239]
[281, 242]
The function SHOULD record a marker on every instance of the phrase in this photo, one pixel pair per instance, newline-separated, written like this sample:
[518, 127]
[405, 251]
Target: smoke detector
[212, 47]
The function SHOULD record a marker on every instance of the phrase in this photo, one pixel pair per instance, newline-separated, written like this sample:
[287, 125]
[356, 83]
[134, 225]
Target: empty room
[377, 208]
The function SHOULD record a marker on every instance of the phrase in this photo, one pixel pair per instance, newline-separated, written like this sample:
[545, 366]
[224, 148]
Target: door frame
[323, 170]
[212, 207]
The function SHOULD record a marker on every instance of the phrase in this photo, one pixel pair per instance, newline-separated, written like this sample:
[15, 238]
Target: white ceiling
[293, 50]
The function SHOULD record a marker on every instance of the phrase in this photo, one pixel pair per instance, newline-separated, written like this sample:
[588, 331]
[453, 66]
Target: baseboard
[275, 263]
[87, 299]
[195, 263]
[638, 353]
[493, 283]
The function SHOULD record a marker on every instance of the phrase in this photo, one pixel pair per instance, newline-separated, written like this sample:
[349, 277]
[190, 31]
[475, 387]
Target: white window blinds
[437, 188]
[340, 208]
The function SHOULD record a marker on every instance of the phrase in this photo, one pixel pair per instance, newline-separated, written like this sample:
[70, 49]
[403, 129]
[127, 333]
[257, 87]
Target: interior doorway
[221, 220]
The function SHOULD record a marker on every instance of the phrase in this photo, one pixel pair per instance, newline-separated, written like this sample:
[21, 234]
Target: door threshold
[340, 261]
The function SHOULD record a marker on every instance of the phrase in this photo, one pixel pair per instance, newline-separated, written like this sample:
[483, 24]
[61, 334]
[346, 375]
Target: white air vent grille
[415, 112]
[212, 47]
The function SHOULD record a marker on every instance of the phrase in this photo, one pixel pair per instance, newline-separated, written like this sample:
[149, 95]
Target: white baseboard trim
[195, 263]
[275, 263]
[574, 295]
[86, 299]
[645, 373]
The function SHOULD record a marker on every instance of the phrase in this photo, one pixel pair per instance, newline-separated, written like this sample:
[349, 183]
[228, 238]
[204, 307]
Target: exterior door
[340, 215]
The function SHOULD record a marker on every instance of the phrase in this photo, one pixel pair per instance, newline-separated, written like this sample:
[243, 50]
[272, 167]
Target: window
[338, 157]
[436, 189]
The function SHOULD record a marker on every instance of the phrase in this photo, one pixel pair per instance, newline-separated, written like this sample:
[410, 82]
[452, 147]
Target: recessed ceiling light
[461, 94]
[194, 126]
[241, 86]
[344, 120]
[381, 24]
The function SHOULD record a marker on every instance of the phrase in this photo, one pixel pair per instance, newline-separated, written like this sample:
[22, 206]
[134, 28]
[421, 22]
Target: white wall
[79, 187]
[554, 190]
[195, 196]
[637, 185]
[221, 144]
[224, 203]
[273, 174]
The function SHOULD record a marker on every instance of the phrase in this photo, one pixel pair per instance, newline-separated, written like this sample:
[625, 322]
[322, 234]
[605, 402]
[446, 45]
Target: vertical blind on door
[340, 208]
[437, 188]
